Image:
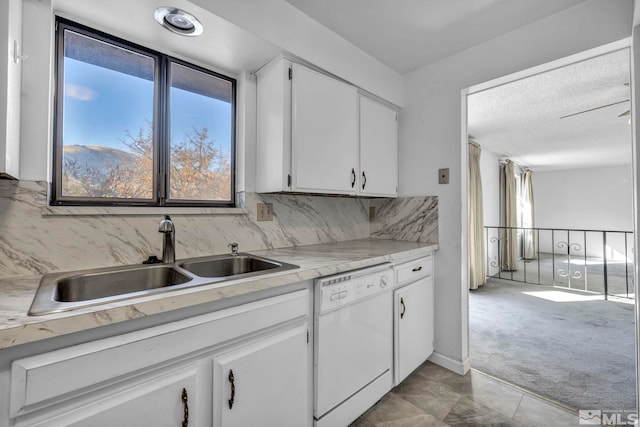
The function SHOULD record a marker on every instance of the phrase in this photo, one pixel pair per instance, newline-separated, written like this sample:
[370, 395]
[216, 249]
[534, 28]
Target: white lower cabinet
[413, 317]
[264, 383]
[177, 374]
[167, 400]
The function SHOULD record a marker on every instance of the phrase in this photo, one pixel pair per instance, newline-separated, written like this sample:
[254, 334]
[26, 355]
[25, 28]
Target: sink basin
[90, 286]
[72, 290]
[67, 291]
[229, 266]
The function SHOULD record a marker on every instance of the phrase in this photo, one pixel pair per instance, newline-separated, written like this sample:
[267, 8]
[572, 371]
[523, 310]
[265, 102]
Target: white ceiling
[409, 34]
[522, 120]
[222, 46]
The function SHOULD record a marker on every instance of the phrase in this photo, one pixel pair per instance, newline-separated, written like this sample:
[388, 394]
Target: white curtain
[477, 260]
[508, 218]
[530, 241]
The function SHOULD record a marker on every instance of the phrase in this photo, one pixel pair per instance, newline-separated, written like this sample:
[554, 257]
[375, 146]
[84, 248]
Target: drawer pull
[233, 388]
[417, 269]
[404, 308]
[185, 405]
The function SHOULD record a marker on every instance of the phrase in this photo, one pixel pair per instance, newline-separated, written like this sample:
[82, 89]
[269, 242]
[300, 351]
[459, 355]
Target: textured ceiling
[522, 120]
[409, 34]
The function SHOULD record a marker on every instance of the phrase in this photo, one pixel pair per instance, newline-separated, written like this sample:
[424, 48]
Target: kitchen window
[137, 127]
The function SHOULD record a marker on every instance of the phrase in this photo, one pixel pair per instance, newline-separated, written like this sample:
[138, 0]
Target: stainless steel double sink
[72, 290]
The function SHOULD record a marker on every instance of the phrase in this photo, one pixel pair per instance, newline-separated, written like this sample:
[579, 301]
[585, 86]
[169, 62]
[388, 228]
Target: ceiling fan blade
[593, 109]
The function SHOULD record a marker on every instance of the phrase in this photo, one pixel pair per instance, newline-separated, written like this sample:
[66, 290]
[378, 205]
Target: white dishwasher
[353, 343]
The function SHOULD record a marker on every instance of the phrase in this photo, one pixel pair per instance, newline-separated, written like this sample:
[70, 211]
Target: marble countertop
[16, 294]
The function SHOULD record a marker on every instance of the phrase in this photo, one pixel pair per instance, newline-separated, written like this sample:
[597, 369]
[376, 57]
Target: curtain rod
[521, 167]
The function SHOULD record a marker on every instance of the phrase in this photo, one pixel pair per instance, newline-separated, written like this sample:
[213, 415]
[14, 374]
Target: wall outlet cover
[265, 211]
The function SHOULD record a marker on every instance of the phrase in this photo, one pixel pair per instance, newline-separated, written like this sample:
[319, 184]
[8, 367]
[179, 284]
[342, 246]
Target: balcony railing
[598, 261]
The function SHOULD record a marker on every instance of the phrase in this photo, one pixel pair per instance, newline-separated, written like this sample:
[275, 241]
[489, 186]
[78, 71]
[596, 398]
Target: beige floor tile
[536, 412]
[494, 394]
[468, 412]
[392, 408]
[433, 397]
[419, 421]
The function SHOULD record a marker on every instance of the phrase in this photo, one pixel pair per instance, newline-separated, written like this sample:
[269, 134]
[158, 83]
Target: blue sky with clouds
[100, 105]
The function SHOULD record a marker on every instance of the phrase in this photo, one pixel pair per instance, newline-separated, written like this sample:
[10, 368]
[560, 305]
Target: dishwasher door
[353, 347]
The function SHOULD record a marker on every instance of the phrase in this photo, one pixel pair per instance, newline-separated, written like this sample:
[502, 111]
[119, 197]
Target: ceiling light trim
[178, 21]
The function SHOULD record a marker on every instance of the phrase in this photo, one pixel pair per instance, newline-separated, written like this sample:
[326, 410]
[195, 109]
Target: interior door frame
[559, 63]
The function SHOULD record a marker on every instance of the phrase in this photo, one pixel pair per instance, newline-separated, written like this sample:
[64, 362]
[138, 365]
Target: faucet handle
[234, 248]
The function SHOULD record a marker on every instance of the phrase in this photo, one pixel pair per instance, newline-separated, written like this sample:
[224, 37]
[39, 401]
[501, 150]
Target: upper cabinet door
[378, 149]
[324, 133]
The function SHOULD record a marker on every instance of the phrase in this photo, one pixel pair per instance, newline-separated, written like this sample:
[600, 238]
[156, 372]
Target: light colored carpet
[579, 353]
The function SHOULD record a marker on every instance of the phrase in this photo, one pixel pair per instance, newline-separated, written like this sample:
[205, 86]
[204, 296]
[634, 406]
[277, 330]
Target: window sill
[137, 211]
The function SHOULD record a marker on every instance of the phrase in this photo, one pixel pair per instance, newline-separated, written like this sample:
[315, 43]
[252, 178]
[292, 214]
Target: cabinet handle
[417, 268]
[353, 177]
[364, 180]
[185, 405]
[233, 389]
[404, 308]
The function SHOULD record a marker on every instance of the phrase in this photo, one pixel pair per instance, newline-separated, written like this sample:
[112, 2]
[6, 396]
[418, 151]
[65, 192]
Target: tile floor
[434, 396]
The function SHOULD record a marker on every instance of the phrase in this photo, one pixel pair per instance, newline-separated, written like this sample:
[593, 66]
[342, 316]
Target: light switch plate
[443, 176]
[265, 211]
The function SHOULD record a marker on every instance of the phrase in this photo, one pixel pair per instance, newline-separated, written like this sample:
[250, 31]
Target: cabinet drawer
[46, 379]
[414, 270]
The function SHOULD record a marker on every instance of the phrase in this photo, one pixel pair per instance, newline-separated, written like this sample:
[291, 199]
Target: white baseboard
[457, 366]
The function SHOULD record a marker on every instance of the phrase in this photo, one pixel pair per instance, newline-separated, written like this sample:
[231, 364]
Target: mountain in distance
[97, 157]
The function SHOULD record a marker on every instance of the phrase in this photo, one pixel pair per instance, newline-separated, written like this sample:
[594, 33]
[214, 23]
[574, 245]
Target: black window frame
[161, 125]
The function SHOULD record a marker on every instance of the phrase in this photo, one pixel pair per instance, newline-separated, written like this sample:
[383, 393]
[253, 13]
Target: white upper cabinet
[324, 133]
[378, 149]
[316, 134]
[10, 82]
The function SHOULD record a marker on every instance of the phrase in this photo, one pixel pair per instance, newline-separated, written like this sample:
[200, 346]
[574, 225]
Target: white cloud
[80, 93]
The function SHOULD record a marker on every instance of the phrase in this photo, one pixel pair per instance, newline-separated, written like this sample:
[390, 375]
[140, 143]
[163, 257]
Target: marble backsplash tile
[413, 219]
[34, 242]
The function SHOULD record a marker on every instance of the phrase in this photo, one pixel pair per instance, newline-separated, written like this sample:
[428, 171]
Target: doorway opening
[551, 232]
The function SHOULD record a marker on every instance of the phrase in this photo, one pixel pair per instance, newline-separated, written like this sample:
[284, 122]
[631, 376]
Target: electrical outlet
[443, 176]
[265, 211]
[372, 213]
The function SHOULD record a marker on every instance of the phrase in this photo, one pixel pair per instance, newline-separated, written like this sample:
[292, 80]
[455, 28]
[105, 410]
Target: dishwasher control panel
[346, 288]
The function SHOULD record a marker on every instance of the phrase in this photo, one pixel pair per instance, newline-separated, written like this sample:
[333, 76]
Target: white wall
[430, 136]
[490, 172]
[590, 198]
[586, 199]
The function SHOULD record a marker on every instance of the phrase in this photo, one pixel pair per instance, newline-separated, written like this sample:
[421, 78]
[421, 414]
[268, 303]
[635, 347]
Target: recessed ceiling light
[178, 21]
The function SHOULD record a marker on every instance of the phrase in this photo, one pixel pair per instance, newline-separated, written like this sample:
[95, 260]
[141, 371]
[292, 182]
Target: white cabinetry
[324, 133]
[378, 149]
[10, 82]
[413, 316]
[163, 375]
[165, 400]
[316, 134]
[264, 383]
